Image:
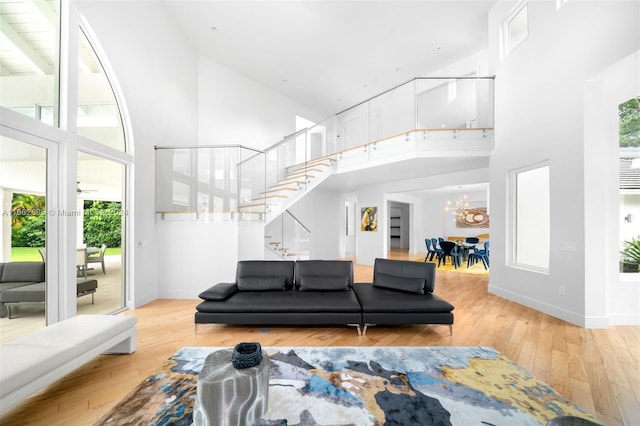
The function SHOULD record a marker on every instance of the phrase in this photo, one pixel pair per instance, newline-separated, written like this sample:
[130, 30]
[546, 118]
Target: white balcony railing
[422, 117]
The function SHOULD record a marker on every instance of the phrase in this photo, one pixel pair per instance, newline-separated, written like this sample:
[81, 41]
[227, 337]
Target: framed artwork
[369, 219]
[475, 217]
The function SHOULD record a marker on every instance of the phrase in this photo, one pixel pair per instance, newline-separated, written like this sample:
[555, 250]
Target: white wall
[194, 257]
[322, 212]
[439, 223]
[157, 70]
[542, 111]
[176, 97]
[234, 109]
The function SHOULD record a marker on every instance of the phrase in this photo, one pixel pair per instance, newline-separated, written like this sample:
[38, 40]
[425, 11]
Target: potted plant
[630, 261]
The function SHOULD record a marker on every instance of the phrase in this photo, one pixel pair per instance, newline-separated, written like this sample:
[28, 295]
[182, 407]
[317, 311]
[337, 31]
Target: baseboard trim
[625, 319]
[554, 311]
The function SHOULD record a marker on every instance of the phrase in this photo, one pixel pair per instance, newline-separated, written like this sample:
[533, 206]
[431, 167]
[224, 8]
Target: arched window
[63, 100]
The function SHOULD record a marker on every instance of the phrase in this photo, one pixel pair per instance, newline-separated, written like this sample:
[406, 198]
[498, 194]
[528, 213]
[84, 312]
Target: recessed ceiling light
[214, 28]
[398, 69]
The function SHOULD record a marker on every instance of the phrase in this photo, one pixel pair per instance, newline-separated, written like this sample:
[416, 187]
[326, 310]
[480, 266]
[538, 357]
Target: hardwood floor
[597, 369]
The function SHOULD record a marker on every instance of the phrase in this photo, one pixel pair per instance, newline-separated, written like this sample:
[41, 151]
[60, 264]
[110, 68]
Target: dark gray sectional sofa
[24, 282]
[322, 292]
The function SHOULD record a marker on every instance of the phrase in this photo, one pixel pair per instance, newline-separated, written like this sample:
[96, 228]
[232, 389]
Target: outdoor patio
[108, 297]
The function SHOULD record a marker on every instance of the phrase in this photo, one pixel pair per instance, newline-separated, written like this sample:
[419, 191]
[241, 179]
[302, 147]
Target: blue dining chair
[431, 251]
[479, 256]
[434, 243]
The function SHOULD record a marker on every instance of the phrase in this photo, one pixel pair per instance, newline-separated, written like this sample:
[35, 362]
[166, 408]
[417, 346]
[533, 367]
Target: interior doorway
[398, 226]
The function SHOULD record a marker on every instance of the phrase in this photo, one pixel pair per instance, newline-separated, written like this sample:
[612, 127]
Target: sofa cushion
[23, 271]
[319, 283]
[323, 268]
[220, 291]
[407, 269]
[408, 284]
[262, 283]
[284, 302]
[265, 268]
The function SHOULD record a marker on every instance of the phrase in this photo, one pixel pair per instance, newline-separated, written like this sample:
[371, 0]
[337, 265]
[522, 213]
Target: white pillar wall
[6, 196]
[80, 222]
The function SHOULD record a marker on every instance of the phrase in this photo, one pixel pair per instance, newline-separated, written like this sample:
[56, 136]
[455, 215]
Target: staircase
[297, 181]
[287, 238]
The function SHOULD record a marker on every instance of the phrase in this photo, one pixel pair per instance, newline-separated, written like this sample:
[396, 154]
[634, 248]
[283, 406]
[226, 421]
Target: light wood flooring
[597, 369]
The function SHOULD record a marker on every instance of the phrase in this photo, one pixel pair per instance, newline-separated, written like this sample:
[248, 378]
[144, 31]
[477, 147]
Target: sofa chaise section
[402, 293]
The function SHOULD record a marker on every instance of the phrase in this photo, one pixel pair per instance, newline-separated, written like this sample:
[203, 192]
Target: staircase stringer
[278, 209]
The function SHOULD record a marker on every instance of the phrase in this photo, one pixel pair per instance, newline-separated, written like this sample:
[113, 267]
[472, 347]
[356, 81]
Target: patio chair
[81, 262]
[98, 258]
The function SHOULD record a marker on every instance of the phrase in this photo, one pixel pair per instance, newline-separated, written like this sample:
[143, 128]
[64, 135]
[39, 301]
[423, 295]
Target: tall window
[98, 113]
[629, 124]
[30, 80]
[531, 217]
[516, 27]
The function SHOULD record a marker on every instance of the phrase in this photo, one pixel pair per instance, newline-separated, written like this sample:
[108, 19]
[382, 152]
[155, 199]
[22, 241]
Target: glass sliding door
[23, 186]
[101, 233]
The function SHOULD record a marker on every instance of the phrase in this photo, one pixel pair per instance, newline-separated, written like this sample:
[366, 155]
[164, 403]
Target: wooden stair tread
[278, 190]
[269, 196]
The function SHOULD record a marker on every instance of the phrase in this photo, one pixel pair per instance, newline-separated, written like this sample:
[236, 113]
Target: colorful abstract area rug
[360, 386]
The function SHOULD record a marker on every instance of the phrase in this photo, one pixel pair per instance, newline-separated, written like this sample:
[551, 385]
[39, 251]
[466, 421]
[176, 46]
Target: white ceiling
[330, 55]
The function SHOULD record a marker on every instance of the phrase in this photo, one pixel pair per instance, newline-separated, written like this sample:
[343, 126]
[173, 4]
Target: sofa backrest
[264, 275]
[324, 275]
[32, 272]
[407, 269]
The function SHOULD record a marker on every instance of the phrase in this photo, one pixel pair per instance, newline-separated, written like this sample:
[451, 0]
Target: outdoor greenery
[631, 252]
[102, 222]
[629, 116]
[28, 214]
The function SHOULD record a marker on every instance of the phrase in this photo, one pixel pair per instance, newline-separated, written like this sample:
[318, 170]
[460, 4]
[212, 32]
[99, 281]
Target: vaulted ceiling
[330, 55]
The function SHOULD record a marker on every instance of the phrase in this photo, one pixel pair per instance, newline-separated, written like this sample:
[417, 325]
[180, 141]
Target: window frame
[513, 217]
[508, 45]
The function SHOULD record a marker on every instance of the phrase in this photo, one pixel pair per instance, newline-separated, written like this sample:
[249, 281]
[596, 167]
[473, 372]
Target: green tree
[31, 232]
[28, 216]
[102, 223]
[25, 205]
[629, 116]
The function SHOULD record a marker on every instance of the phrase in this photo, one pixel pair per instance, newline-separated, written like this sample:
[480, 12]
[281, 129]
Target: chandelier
[459, 209]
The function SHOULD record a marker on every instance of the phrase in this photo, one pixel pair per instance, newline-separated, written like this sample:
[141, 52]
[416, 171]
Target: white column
[6, 195]
[80, 222]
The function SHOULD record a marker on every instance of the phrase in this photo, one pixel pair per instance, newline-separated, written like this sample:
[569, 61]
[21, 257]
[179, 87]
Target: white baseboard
[554, 311]
[625, 319]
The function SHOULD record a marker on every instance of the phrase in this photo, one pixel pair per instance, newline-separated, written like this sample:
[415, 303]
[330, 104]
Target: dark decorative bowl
[246, 355]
